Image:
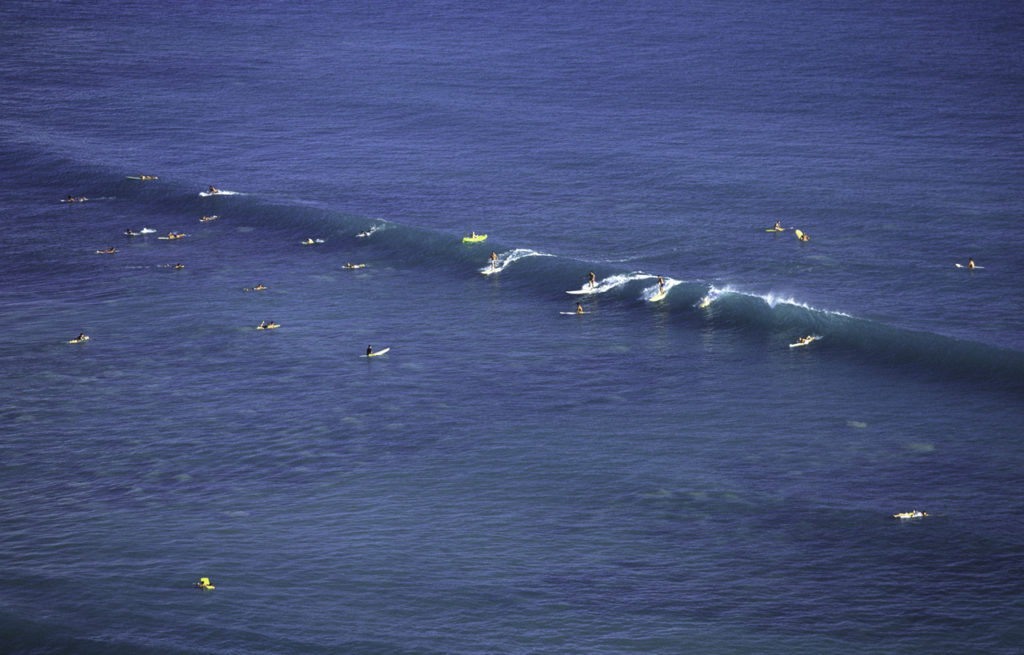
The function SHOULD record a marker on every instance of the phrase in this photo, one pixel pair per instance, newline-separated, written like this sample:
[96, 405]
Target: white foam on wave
[506, 258]
[611, 282]
[651, 292]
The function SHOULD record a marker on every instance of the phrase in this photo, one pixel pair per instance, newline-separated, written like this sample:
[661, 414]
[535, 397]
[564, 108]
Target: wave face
[692, 304]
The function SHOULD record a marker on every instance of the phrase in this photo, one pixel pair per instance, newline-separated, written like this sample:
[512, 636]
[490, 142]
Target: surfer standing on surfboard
[661, 284]
[591, 278]
[494, 259]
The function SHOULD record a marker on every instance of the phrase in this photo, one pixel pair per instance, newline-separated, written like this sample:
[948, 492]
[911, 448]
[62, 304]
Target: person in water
[970, 263]
[204, 583]
[579, 308]
[591, 278]
[804, 237]
[179, 266]
[109, 251]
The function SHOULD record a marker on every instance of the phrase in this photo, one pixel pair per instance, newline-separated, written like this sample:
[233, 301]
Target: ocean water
[648, 477]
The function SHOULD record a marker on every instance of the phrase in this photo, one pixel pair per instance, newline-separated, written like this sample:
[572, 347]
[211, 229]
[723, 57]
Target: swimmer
[803, 237]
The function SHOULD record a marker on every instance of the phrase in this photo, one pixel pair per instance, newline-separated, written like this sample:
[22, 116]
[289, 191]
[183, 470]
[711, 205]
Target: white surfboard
[378, 353]
[800, 344]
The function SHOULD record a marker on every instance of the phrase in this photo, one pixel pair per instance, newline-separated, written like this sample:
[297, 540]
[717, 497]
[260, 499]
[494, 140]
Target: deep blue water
[655, 477]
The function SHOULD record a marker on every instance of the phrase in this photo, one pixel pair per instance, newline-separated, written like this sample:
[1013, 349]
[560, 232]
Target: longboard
[968, 267]
[910, 515]
[573, 313]
[800, 344]
[659, 296]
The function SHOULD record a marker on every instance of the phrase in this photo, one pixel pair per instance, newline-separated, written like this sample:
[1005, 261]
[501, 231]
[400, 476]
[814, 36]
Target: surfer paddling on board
[213, 190]
[591, 278]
